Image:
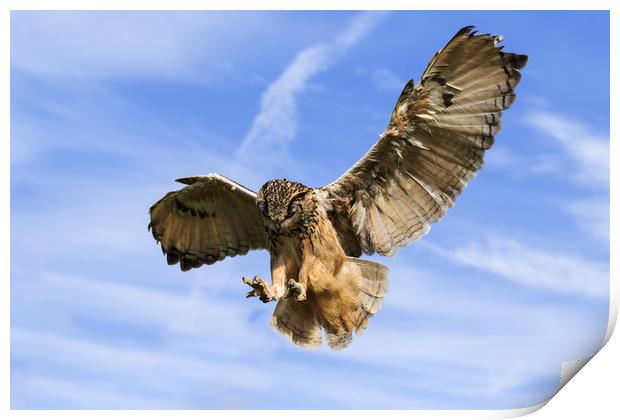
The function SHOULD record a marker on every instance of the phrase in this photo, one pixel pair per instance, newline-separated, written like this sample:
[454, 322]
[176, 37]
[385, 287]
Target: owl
[433, 146]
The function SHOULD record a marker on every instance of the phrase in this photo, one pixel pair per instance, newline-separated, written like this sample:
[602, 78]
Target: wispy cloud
[592, 216]
[107, 44]
[503, 362]
[106, 362]
[534, 267]
[198, 342]
[587, 152]
[275, 126]
[179, 46]
[37, 391]
[205, 343]
[584, 159]
[572, 153]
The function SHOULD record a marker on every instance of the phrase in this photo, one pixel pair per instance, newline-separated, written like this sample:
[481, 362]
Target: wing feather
[210, 219]
[433, 146]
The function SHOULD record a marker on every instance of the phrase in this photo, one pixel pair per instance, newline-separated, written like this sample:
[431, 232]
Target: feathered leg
[277, 289]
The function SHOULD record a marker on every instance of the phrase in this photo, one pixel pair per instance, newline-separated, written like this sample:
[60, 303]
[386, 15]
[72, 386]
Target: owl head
[281, 203]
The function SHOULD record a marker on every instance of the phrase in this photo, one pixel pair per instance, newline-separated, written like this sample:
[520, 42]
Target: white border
[593, 395]
[310, 5]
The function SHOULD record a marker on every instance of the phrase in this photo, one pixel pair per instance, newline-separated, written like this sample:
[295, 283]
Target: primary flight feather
[433, 145]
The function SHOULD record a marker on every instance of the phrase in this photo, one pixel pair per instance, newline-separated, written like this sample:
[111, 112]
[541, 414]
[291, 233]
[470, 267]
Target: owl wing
[433, 145]
[210, 219]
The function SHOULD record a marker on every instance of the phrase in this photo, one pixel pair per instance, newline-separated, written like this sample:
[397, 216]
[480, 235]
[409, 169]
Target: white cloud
[588, 152]
[183, 46]
[528, 265]
[208, 341]
[107, 44]
[587, 155]
[592, 216]
[581, 157]
[276, 123]
[441, 319]
[71, 393]
[140, 371]
[170, 378]
[184, 311]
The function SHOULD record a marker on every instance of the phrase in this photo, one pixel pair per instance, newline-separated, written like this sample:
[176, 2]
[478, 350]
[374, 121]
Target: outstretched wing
[433, 145]
[210, 219]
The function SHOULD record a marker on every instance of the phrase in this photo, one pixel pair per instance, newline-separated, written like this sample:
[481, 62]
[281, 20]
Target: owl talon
[296, 290]
[260, 289]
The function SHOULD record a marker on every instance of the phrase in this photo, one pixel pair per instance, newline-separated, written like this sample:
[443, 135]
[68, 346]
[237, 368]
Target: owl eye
[262, 207]
[293, 208]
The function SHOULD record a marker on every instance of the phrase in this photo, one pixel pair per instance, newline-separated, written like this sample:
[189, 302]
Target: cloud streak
[588, 152]
[206, 343]
[166, 46]
[532, 267]
[588, 157]
[275, 126]
[592, 216]
[77, 47]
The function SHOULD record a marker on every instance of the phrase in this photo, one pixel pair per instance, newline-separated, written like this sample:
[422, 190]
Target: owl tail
[368, 283]
[372, 287]
[297, 321]
[337, 313]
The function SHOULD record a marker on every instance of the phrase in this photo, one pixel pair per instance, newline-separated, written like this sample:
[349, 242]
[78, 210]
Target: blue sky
[107, 108]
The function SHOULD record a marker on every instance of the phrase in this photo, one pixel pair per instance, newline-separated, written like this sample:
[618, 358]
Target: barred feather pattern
[297, 321]
[433, 146]
[210, 219]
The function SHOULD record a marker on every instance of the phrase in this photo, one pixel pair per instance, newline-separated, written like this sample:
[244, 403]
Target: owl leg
[295, 290]
[260, 289]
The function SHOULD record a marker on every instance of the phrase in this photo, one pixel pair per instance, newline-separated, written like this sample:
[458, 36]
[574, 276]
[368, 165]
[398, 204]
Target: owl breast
[290, 250]
[317, 249]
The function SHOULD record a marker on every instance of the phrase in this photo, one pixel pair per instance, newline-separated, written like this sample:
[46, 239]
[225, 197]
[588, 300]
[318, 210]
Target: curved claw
[296, 290]
[260, 289]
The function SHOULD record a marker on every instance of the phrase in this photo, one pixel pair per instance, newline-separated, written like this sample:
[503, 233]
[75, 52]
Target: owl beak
[273, 226]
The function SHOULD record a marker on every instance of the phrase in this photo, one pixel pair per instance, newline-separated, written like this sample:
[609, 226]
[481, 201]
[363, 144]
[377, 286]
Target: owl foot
[260, 289]
[296, 290]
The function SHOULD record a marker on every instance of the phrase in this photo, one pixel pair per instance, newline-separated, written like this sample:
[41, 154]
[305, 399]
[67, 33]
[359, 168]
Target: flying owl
[432, 147]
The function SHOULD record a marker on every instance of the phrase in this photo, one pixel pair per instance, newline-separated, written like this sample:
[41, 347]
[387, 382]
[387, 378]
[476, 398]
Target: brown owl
[433, 145]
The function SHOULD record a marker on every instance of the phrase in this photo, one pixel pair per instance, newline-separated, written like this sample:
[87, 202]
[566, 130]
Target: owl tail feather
[297, 321]
[371, 287]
